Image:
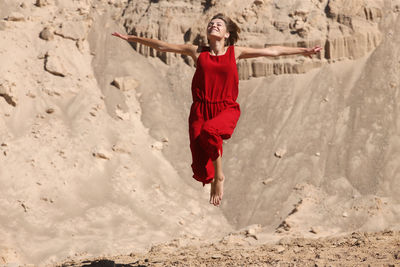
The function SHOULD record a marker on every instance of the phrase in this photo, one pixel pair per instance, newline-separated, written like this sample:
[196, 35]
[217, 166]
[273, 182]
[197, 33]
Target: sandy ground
[94, 149]
[356, 249]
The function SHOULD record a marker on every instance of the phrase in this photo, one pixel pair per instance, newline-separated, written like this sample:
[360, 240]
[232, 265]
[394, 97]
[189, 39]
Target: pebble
[280, 153]
[101, 154]
[15, 16]
[122, 115]
[280, 249]
[157, 146]
[40, 3]
[216, 256]
[46, 34]
[269, 180]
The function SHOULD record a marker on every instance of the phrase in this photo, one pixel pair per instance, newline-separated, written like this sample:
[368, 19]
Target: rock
[216, 256]
[125, 83]
[122, 115]
[8, 93]
[280, 152]
[121, 148]
[280, 249]
[164, 140]
[269, 180]
[15, 16]
[284, 226]
[54, 65]
[74, 30]
[157, 146]
[50, 110]
[41, 3]
[253, 230]
[299, 25]
[47, 199]
[101, 154]
[350, 27]
[83, 11]
[345, 214]
[46, 34]
[314, 230]
[317, 154]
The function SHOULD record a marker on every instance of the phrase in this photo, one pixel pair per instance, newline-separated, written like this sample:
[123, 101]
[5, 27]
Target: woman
[214, 112]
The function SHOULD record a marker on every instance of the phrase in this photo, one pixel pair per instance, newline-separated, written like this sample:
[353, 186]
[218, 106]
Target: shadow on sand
[109, 263]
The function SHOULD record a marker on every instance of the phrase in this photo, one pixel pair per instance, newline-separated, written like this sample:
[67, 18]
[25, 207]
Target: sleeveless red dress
[214, 112]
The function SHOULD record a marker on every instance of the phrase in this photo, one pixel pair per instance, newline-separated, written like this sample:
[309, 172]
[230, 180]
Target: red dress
[214, 112]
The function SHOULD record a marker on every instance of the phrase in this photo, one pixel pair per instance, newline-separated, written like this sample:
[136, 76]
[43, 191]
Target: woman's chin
[214, 36]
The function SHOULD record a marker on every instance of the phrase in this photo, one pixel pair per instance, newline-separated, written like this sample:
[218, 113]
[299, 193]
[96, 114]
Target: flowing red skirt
[209, 124]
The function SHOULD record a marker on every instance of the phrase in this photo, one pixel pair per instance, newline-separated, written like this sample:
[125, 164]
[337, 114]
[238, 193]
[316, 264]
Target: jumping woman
[214, 112]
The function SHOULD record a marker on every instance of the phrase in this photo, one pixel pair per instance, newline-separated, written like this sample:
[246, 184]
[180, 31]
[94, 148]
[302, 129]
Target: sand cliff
[94, 156]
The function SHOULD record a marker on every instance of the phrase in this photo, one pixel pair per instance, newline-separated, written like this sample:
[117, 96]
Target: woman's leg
[211, 135]
[217, 185]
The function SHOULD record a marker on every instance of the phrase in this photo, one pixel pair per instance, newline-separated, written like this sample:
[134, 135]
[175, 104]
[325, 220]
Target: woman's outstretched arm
[274, 51]
[185, 49]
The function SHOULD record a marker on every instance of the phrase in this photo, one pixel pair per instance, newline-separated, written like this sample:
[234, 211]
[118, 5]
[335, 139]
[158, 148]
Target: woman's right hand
[122, 36]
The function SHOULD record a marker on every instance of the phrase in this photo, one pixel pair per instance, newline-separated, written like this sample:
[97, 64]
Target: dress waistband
[214, 101]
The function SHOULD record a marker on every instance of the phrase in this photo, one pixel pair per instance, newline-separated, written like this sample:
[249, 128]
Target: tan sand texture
[94, 149]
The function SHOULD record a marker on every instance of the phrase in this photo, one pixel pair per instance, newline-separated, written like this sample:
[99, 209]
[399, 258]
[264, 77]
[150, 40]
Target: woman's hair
[231, 27]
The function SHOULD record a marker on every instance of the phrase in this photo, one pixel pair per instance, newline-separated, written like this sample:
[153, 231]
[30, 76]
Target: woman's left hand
[311, 51]
[122, 36]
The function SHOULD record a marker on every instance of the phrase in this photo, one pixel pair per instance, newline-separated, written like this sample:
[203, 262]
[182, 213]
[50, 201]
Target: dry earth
[357, 249]
[94, 156]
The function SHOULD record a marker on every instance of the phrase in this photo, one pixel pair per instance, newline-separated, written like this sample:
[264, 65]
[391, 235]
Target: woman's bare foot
[217, 189]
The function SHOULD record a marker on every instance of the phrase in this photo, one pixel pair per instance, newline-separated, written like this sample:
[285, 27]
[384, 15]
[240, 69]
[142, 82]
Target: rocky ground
[356, 249]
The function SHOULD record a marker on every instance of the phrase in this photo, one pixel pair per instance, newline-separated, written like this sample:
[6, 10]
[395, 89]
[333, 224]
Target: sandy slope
[78, 179]
[89, 169]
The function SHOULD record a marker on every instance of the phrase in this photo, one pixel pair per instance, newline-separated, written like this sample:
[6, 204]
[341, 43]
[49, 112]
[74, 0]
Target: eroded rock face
[345, 30]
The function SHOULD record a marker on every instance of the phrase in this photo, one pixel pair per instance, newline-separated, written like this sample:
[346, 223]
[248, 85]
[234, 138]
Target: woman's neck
[217, 47]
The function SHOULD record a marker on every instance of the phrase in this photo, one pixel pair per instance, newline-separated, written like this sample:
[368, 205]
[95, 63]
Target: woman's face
[216, 28]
